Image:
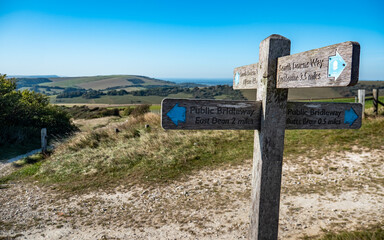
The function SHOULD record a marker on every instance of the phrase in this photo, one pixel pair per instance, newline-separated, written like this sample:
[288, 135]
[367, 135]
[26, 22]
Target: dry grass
[101, 156]
[136, 153]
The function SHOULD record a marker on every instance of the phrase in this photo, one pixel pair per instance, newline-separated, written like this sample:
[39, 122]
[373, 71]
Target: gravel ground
[339, 192]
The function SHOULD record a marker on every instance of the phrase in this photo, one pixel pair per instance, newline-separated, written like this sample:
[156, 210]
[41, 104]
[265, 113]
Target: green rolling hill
[104, 82]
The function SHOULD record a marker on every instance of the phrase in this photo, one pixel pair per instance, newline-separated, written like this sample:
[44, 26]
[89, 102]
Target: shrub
[26, 112]
[127, 111]
[140, 110]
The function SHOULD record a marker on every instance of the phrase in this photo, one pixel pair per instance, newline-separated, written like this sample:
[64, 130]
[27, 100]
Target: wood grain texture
[269, 142]
[248, 76]
[212, 114]
[322, 115]
[310, 68]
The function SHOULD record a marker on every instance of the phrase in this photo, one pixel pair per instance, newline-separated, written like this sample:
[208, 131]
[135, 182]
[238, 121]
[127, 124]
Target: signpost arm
[269, 141]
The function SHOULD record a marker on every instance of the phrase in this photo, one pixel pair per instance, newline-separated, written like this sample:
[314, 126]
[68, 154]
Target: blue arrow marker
[350, 116]
[336, 65]
[177, 114]
[237, 80]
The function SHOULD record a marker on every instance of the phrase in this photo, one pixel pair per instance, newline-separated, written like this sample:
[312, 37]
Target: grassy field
[125, 99]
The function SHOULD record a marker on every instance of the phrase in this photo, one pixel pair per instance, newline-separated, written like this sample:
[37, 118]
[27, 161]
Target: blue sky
[186, 39]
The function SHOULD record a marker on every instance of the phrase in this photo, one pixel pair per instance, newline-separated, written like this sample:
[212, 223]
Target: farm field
[125, 99]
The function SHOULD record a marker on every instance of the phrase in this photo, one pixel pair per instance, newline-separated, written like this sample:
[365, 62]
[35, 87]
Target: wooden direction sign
[210, 114]
[245, 77]
[332, 66]
[220, 114]
[323, 115]
[270, 115]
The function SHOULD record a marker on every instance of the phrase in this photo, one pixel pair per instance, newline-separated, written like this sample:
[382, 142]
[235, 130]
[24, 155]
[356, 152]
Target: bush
[140, 110]
[27, 111]
[110, 112]
[84, 112]
[136, 111]
[127, 111]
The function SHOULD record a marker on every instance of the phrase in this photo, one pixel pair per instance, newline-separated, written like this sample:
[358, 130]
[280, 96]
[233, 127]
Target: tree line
[197, 92]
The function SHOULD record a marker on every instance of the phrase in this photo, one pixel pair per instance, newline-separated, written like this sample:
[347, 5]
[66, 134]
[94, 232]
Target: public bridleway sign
[210, 114]
[270, 115]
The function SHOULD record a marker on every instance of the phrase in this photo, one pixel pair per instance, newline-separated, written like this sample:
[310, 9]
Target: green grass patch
[373, 233]
[369, 103]
[27, 168]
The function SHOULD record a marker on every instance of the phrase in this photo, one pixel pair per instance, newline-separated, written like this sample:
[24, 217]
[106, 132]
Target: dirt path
[342, 191]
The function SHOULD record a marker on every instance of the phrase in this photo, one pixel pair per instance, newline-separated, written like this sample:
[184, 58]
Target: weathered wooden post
[269, 141]
[375, 93]
[361, 95]
[43, 140]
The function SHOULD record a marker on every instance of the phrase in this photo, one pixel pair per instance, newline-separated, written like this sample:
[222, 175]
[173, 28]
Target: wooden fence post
[361, 95]
[43, 140]
[375, 93]
[269, 141]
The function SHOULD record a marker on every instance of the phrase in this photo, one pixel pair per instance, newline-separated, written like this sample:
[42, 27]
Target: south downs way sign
[220, 114]
[331, 66]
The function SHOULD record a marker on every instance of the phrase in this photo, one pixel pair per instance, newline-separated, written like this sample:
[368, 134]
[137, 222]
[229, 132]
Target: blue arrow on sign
[177, 114]
[350, 116]
[237, 80]
[336, 65]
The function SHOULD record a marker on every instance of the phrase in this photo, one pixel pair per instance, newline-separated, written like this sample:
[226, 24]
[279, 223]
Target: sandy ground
[338, 192]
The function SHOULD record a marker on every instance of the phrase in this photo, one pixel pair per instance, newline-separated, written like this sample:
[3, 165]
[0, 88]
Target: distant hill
[30, 82]
[32, 76]
[107, 82]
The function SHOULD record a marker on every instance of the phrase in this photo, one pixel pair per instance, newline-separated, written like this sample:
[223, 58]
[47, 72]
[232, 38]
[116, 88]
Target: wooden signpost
[270, 115]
